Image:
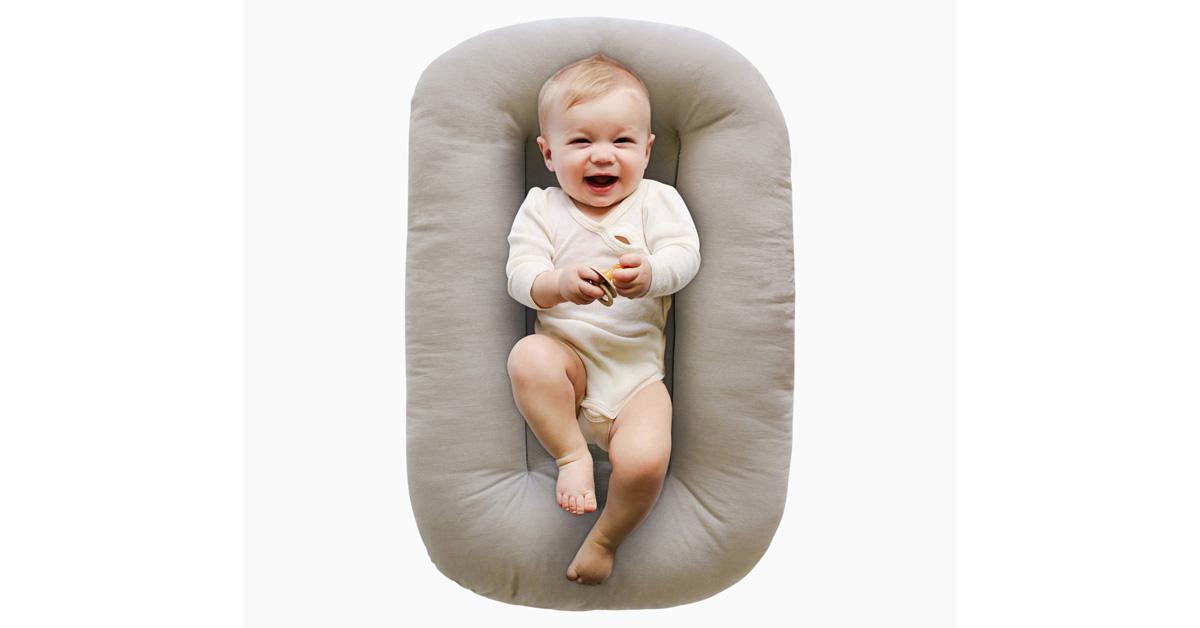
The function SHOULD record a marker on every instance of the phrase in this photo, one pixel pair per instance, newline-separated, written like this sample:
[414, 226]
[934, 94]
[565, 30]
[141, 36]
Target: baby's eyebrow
[627, 129]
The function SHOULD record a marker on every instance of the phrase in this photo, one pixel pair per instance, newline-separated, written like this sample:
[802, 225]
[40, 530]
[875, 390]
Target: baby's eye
[624, 139]
[578, 139]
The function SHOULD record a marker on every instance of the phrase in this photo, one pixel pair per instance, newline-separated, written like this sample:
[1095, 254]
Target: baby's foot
[576, 487]
[593, 562]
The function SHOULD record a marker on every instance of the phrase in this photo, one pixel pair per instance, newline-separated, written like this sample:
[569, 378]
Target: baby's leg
[548, 381]
[639, 449]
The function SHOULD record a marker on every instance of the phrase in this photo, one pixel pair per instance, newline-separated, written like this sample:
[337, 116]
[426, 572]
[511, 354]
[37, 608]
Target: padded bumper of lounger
[482, 487]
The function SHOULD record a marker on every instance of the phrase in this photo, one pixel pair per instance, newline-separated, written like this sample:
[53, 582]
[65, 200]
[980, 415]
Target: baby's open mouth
[601, 181]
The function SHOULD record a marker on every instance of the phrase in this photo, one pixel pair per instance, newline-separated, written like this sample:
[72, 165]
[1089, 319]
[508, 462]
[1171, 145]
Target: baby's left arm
[673, 242]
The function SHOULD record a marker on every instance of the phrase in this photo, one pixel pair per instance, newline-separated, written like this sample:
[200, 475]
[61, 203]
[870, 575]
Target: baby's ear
[544, 149]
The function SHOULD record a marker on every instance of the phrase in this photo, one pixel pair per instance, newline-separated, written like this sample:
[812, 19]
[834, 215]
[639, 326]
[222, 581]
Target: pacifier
[606, 284]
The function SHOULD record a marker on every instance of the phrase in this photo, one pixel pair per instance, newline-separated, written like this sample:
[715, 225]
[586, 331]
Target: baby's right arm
[572, 284]
[545, 290]
[532, 278]
[530, 250]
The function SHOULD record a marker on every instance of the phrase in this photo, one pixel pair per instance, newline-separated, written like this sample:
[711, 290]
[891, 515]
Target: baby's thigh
[641, 435]
[538, 354]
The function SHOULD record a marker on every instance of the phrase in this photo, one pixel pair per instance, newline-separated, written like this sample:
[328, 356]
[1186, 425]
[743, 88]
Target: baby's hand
[573, 285]
[633, 279]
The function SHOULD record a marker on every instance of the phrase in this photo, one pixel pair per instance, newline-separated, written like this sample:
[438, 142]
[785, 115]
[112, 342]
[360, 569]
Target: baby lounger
[482, 486]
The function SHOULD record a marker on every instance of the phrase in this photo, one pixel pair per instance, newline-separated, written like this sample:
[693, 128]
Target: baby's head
[594, 116]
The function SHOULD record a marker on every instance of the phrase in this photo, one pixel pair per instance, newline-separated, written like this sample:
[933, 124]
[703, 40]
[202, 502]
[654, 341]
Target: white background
[121, 348]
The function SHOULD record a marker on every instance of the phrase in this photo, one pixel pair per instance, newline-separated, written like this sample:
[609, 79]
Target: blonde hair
[585, 80]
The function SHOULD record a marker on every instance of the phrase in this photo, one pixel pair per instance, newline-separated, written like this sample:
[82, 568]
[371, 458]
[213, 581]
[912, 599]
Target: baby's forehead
[625, 124]
[578, 118]
[624, 95]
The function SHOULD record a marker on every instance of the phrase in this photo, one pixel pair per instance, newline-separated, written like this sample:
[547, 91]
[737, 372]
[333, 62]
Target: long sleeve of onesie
[671, 237]
[530, 248]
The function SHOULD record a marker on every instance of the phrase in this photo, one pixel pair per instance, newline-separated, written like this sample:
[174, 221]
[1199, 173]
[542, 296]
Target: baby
[593, 372]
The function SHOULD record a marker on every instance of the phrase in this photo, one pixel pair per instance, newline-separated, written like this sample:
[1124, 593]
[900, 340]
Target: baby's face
[606, 136]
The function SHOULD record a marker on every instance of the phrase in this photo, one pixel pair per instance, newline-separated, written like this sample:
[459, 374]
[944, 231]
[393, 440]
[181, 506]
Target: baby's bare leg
[640, 450]
[548, 382]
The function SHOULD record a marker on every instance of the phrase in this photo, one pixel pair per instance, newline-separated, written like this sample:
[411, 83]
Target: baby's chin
[604, 201]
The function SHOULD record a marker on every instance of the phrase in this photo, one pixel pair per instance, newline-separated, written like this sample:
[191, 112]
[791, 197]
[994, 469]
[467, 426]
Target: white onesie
[621, 346]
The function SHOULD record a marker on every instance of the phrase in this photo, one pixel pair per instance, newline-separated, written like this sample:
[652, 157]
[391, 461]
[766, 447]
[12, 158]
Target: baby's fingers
[588, 292]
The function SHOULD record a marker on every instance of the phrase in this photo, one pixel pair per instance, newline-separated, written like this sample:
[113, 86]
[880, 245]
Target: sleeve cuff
[520, 284]
[672, 268]
[659, 281]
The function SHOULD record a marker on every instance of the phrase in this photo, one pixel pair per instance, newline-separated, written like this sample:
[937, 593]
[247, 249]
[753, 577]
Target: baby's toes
[589, 502]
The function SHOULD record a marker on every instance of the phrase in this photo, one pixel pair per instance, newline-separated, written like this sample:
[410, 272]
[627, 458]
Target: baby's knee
[645, 463]
[532, 359]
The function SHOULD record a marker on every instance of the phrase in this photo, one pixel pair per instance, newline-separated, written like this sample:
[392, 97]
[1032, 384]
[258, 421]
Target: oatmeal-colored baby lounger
[482, 486]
